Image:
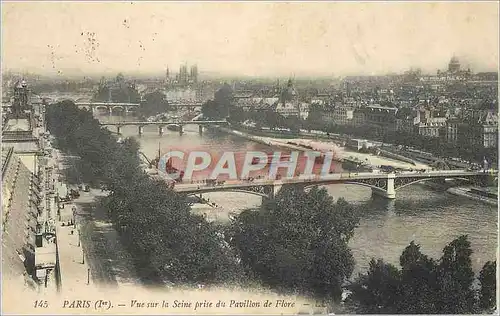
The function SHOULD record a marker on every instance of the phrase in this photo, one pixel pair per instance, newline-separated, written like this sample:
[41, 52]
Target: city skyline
[258, 39]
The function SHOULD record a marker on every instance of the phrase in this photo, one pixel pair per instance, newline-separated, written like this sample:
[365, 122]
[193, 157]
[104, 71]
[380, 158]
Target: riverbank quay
[390, 151]
[340, 152]
[473, 193]
[258, 139]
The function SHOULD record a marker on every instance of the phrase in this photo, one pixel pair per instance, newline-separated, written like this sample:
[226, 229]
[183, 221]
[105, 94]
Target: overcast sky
[248, 38]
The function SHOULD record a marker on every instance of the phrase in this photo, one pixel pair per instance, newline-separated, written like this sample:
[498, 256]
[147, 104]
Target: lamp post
[74, 216]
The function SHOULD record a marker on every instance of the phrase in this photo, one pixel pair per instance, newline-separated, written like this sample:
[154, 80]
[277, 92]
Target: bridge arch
[382, 184]
[397, 187]
[118, 107]
[101, 107]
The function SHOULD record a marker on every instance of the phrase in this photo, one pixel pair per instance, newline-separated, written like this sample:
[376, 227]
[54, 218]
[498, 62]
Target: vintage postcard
[249, 158]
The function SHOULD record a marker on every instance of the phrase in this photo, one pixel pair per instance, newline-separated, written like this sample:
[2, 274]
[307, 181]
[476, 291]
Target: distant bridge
[383, 184]
[108, 106]
[161, 125]
[61, 96]
[127, 107]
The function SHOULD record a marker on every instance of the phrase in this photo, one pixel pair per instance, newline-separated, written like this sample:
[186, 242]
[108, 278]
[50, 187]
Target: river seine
[431, 218]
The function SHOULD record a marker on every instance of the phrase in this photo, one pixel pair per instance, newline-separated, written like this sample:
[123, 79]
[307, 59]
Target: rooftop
[381, 108]
[18, 125]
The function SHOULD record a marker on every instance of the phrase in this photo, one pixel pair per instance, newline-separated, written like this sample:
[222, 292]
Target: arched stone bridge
[161, 125]
[382, 184]
[61, 96]
[108, 106]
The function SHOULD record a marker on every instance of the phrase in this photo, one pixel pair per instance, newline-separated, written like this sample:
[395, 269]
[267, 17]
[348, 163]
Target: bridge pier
[390, 191]
[110, 112]
[181, 129]
[271, 192]
[383, 193]
[200, 129]
[119, 129]
[141, 130]
[160, 130]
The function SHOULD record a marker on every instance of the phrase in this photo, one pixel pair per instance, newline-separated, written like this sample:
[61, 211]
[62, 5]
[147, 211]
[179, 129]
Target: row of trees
[155, 223]
[426, 286]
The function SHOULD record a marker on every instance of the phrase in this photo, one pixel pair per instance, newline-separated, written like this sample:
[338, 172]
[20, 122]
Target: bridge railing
[205, 183]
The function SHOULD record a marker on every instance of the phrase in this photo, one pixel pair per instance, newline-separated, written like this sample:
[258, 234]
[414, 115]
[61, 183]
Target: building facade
[28, 239]
[382, 118]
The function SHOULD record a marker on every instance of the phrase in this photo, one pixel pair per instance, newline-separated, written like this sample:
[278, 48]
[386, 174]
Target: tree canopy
[222, 104]
[117, 91]
[426, 286]
[154, 103]
[298, 241]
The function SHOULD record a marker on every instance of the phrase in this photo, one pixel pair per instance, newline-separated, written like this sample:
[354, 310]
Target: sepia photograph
[249, 158]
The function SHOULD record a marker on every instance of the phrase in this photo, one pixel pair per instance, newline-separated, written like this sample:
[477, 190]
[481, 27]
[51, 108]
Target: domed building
[454, 71]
